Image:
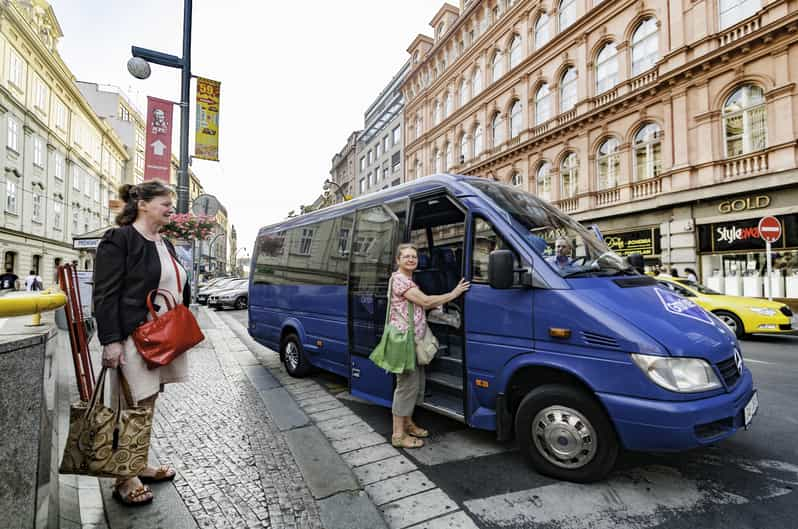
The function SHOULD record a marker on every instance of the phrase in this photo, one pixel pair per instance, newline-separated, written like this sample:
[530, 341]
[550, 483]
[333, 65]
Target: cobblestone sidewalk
[234, 466]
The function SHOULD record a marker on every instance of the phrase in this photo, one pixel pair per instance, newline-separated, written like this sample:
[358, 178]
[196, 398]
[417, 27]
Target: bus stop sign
[770, 229]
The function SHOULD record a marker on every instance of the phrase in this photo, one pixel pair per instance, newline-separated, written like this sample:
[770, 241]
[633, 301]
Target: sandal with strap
[163, 473]
[131, 499]
[416, 431]
[406, 441]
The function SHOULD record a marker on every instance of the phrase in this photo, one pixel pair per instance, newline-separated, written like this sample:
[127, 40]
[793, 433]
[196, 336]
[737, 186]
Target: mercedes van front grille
[728, 369]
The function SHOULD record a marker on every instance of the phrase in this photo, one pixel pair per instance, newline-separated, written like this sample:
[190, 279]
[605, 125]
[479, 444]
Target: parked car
[202, 295]
[211, 282]
[743, 315]
[236, 295]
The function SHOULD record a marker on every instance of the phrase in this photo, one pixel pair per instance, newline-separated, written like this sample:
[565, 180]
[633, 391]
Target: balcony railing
[642, 80]
[647, 188]
[568, 204]
[565, 117]
[609, 196]
[745, 165]
[606, 97]
[740, 31]
[540, 129]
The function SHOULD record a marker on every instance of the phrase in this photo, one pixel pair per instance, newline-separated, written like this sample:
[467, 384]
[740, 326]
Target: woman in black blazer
[132, 260]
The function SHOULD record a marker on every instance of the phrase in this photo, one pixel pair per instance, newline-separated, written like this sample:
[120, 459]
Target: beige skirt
[146, 382]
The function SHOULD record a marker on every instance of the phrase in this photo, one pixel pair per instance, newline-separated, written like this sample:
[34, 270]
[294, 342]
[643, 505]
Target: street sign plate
[205, 205]
[770, 229]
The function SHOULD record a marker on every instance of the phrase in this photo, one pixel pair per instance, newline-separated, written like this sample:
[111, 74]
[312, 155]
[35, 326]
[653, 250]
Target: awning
[89, 240]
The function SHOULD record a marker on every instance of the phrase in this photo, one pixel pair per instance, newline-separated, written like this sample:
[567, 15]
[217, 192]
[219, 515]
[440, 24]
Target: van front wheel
[564, 433]
[293, 357]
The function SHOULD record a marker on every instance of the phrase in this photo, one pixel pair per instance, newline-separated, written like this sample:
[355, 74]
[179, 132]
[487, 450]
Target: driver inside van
[563, 252]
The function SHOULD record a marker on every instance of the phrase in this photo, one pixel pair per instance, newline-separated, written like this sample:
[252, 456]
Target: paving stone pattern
[234, 466]
[405, 497]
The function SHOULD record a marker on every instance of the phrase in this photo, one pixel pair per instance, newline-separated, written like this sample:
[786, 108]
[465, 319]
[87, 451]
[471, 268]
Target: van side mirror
[635, 260]
[501, 271]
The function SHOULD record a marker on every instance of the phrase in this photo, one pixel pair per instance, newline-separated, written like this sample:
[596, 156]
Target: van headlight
[683, 375]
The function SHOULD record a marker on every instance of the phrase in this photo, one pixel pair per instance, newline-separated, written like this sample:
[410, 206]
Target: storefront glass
[733, 258]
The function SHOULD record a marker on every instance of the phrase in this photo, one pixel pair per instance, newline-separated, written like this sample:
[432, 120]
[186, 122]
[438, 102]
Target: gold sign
[744, 204]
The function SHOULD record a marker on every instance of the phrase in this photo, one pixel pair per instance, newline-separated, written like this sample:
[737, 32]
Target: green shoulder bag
[396, 352]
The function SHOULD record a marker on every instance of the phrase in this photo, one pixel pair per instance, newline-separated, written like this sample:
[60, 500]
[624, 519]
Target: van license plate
[750, 409]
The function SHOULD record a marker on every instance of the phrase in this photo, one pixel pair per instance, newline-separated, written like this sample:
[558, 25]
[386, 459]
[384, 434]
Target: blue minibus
[575, 354]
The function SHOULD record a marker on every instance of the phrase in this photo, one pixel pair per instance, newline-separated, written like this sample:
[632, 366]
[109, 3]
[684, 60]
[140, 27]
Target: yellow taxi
[743, 315]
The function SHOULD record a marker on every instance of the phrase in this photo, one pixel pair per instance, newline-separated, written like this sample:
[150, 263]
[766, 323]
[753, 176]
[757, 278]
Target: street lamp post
[210, 249]
[338, 189]
[184, 64]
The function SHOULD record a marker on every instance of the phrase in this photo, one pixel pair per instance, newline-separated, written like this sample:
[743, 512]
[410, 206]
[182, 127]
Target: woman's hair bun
[127, 192]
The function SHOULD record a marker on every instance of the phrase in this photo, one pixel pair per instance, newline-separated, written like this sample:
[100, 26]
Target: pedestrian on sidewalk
[410, 384]
[132, 260]
[33, 282]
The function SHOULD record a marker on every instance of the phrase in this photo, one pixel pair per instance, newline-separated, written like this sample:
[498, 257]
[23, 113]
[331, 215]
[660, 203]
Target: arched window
[608, 164]
[516, 179]
[449, 156]
[569, 175]
[648, 152]
[415, 57]
[464, 148]
[745, 121]
[543, 181]
[479, 143]
[449, 108]
[419, 169]
[497, 126]
[733, 11]
[515, 119]
[645, 46]
[568, 90]
[515, 51]
[567, 13]
[496, 67]
[606, 68]
[418, 127]
[438, 113]
[463, 92]
[476, 83]
[542, 104]
[542, 34]
[438, 161]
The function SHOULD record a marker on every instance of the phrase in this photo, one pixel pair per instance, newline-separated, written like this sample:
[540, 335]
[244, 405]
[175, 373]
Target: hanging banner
[158, 157]
[206, 145]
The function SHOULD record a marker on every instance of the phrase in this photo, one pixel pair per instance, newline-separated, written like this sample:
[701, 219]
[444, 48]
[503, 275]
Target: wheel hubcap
[292, 355]
[564, 437]
[729, 321]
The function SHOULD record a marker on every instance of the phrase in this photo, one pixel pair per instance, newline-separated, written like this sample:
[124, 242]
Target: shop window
[745, 121]
[608, 164]
[648, 152]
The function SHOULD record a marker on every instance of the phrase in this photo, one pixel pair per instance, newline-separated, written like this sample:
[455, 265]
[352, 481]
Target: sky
[296, 78]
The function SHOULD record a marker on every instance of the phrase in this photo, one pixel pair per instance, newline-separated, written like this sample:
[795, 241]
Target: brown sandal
[416, 431]
[131, 499]
[406, 441]
[164, 473]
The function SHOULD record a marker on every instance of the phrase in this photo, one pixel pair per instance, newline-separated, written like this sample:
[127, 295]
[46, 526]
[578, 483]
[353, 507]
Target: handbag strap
[177, 272]
[166, 295]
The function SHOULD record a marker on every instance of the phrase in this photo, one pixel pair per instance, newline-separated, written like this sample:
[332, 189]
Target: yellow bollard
[36, 321]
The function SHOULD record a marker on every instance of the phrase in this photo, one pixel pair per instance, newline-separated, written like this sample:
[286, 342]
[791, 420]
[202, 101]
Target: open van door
[377, 230]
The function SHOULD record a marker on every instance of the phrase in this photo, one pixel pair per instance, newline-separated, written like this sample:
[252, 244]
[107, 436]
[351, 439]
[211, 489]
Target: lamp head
[138, 68]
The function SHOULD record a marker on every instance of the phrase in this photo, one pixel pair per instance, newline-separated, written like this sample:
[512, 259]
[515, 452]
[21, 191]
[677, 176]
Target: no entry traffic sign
[770, 229]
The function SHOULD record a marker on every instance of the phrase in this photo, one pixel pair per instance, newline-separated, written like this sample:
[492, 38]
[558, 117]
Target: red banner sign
[158, 158]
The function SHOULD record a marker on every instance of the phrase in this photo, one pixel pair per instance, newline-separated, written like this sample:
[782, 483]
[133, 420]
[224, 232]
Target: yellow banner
[206, 145]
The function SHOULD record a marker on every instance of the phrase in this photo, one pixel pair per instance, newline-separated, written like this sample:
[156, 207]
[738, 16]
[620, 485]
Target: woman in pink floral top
[410, 385]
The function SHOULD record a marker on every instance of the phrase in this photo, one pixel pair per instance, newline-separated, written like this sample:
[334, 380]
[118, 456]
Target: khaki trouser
[409, 391]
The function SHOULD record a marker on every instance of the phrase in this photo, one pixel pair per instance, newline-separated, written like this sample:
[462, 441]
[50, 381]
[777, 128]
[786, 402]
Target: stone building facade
[670, 125]
[60, 161]
[343, 173]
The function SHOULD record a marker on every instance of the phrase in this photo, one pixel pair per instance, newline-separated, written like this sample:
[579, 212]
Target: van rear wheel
[293, 356]
[564, 433]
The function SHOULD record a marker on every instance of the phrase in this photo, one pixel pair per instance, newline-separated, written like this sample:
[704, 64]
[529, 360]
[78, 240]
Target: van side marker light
[481, 383]
[319, 343]
[558, 332]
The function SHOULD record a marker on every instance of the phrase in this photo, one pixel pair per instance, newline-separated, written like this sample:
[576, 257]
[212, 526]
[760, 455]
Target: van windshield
[568, 247]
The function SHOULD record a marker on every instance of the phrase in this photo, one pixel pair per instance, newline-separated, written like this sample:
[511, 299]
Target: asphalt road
[747, 481]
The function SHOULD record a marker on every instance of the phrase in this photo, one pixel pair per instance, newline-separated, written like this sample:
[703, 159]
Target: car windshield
[699, 287]
[568, 247]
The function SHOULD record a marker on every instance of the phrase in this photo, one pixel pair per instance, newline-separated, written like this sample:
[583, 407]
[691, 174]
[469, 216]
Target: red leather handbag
[169, 335]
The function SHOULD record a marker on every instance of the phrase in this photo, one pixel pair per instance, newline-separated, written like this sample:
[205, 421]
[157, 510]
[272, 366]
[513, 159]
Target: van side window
[485, 241]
